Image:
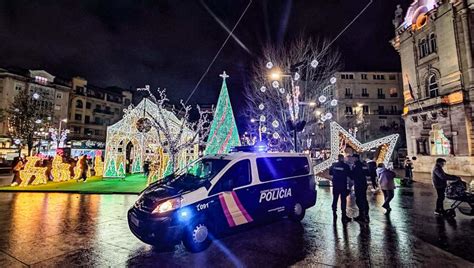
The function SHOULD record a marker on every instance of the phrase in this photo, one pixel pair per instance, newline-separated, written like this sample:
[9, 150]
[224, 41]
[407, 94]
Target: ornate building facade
[434, 40]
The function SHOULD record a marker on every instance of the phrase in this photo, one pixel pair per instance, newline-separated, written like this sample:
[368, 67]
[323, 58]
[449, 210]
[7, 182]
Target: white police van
[222, 193]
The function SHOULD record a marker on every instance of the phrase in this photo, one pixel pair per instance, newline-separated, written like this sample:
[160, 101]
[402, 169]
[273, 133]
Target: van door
[235, 194]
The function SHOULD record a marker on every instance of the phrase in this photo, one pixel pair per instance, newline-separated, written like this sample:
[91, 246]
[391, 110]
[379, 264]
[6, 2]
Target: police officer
[339, 172]
[359, 174]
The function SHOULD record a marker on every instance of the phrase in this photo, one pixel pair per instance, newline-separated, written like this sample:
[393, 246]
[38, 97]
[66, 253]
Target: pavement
[5, 179]
[69, 230]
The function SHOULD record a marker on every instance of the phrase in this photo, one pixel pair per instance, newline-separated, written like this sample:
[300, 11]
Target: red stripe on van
[227, 214]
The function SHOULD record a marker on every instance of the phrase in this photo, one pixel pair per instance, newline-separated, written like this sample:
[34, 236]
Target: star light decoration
[339, 136]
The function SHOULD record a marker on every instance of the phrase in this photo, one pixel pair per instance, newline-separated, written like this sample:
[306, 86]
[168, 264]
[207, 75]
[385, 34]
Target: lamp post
[60, 134]
[253, 120]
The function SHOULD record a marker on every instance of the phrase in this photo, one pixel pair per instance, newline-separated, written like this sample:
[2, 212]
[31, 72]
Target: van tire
[197, 236]
[297, 212]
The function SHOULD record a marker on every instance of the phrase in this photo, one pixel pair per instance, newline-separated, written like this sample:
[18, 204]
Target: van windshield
[196, 174]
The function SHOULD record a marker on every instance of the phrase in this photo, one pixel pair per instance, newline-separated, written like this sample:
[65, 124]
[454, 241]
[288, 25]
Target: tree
[24, 118]
[189, 133]
[311, 65]
[223, 134]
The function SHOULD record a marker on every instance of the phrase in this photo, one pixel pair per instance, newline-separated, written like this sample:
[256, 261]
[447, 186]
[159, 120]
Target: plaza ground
[64, 229]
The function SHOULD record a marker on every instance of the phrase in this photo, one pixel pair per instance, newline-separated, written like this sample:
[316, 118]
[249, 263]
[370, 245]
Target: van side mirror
[207, 185]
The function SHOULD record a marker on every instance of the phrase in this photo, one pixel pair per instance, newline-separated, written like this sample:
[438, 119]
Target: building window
[57, 107]
[421, 146]
[365, 109]
[380, 94]
[393, 92]
[98, 107]
[59, 95]
[423, 48]
[41, 80]
[392, 77]
[348, 93]
[88, 131]
[432, 88]
[88, 105]
[394, 109]
[127, 102]
[77, 130]
[365, 93]
[363, 76]
[440, 145]
[433, 45]
[79, 104]
[378, 77]
[348, 109]
[87, 119]
[381, 110]
[78, 117]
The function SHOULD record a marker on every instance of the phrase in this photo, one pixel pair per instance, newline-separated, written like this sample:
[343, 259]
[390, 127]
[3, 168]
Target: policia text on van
[223, 193]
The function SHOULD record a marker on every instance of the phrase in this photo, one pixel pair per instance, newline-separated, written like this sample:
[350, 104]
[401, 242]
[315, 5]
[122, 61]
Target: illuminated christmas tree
[224, 134]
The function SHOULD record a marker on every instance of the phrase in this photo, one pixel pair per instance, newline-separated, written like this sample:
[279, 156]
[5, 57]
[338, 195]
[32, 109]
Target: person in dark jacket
[359, 174]
[440, 179]
[372, 165]
[340, 171]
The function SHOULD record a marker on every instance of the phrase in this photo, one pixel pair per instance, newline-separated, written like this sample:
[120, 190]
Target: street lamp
[253, 120]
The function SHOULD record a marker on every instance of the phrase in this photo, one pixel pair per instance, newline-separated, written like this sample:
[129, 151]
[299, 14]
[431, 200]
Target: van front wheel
[197, 237]
[297, 212]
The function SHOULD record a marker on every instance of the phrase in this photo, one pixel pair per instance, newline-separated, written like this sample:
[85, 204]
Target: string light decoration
[340, 139]
[98, 166]
[223, 134]
[32, 170]
[134, 129]
[61, 171]
[80, 166]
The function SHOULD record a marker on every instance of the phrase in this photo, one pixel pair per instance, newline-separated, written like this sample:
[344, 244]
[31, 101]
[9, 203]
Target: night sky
[129, 43]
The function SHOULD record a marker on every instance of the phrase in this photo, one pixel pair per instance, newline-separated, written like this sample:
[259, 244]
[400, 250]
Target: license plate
[134, 220]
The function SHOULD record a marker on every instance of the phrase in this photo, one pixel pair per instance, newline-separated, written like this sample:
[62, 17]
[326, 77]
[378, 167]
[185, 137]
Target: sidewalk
[5, 180]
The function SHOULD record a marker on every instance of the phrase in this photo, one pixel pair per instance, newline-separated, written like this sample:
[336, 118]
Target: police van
[223, 193]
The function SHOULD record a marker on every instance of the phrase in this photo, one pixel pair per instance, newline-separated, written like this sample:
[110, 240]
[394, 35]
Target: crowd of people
[352, 173]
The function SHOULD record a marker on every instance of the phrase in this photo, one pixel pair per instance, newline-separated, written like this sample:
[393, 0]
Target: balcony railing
[348, 96]
[366, 95]
[102, 111]
[381, 96]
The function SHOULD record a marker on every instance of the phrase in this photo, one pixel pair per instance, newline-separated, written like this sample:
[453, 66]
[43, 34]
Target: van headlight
[168, 205]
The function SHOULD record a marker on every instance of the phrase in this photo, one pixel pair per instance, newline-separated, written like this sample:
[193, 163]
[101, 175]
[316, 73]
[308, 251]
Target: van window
[274, 168]
[236, 176]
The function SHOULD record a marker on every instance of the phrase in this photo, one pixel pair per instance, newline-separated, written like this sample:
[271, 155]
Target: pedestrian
[359, 174]
[372, 165]
[82, 168]
[17, 165]
[340, 172]
[146, 168]
[440, 179]
[408, 169]
[387, 184]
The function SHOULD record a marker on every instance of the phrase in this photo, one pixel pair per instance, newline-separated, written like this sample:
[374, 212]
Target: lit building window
[440, 145]
[41, 80]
